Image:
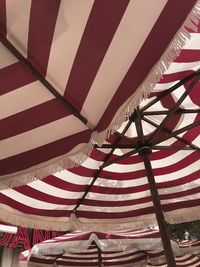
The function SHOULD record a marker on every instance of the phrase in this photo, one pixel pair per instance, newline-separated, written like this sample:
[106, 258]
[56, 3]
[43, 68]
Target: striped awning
[72, 70]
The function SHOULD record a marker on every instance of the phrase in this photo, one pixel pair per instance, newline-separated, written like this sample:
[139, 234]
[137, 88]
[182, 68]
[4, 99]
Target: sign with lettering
[26, 238]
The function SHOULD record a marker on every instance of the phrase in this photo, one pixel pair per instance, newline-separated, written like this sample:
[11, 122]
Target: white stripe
[7, 58]
[33, 202]
[163, 86]
[71, 21]
[40, 136]
[187, 103]
[117, 197]
[23, 98]
[18, 15]
[72, 177]
[54, 191]
[193, 43]
[57, 192]
[180, 199]
[126, 43]
[189, 169]
[186, 66]
[180, 188]
[117, 209]
[102, 182]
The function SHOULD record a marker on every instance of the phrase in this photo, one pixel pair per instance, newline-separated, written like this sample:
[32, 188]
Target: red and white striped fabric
[182, 261]
[101, 56]
[192, 245]
[120, 196]
[88, 258]
[81, 249]
[123, 248]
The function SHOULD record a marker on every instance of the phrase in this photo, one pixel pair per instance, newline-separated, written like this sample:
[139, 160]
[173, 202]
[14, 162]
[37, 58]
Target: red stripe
[195, 97]
[188, 56]
[42, 154]
[40, 115]
[102, 23]
[193, 157]
[25, 209]
[48, 198]
[119, 191]
[64, 185]
[11, 77]
[41, 29]
[190, 193]
[81, 256]
[119, 203]
[175, 77]
[114, 215]
[3, 29]
[69, 263]
[44, 261]
[165, 28]
[181, 205]
[133, 260]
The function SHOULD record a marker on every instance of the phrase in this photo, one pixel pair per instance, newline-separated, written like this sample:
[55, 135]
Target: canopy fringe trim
[72, 223]
[183, 216]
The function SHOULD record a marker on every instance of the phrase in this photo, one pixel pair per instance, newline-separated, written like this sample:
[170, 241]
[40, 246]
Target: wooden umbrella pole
[144, 153]
[99, 256]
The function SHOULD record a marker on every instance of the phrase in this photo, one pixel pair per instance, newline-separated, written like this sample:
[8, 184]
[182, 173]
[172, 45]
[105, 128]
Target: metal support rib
[98, 172]
[144, 153]
[40, 77]
[170, 90]
[175, 107]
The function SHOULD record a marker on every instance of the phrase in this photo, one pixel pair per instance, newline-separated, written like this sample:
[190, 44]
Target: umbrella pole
[99, 256]
[144, 153]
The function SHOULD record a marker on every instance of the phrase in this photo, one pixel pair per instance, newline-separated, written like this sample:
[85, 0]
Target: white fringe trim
[185, 215]
[105, 245]
[71, 160]
[71, 224]
[50, 167]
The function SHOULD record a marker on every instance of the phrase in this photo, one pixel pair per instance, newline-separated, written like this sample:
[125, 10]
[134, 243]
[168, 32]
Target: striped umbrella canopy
[99, 195]
[71, 74]
[112, 188]
[72, 70]
[125, 248]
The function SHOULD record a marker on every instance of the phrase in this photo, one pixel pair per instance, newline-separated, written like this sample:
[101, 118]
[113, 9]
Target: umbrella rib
[170, 90]
[171, 148]
[175, 133]
[98, 172]
[175, 107]
[177, 137]
[119, 146]
[126, 138]
[40, 77]
[163, 112]
[130, 153]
